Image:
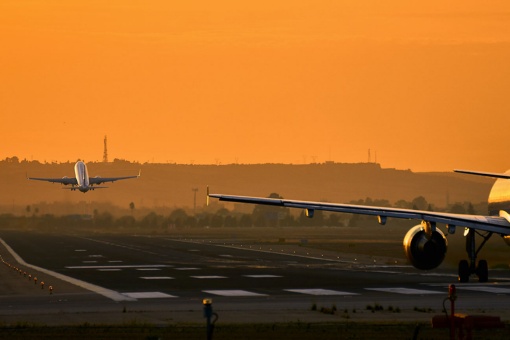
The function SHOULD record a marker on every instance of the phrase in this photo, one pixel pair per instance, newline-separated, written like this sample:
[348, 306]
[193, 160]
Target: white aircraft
[81, 180]
[424, 244]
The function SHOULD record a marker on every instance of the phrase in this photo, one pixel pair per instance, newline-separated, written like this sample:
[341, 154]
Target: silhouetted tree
[270, 216]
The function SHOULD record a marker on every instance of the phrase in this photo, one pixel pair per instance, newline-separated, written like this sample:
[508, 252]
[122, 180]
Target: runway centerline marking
[405, 291]
[120, 266]
[319, 291]
[209, 277]
[156, 278]
[262, 276]
[233, 292]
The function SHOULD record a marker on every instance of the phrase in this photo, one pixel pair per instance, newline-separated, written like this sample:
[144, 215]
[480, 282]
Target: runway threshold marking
[111, 294]
[148, 295]
[487, 289]
[405, 291]
[319, 291]
[233, 292]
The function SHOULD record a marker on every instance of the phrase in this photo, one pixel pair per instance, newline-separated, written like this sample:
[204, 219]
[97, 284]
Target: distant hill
[171, 185]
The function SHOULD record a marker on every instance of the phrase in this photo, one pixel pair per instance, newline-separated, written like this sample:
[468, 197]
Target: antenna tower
[105, 153]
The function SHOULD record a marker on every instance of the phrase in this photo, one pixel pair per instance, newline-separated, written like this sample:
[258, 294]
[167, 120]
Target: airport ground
[301, 283]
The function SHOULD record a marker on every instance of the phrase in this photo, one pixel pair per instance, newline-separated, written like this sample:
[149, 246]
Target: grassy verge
[294, 330]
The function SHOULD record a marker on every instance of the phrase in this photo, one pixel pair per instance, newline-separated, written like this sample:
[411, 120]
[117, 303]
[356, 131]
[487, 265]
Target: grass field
[296, 330]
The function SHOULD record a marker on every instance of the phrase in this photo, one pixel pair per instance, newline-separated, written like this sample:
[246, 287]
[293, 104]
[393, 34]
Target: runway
[247, 280]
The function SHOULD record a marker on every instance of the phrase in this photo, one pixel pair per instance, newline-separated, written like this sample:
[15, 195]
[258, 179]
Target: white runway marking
[148, 295]
[187, 268]
[95, 256]
[319, 291]
[148, 269]
[262, 276]
[487, 289]
[209, 277]
[120, 266]
[156, 277]
[406, 291]
[233, 293]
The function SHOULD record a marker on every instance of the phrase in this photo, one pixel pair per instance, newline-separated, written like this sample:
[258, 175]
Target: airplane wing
[100, 180]
[495, 224]
[486, 174]
[63, 180]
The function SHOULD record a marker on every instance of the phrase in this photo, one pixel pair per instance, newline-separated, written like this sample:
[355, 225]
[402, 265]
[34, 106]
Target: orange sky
[425, 85]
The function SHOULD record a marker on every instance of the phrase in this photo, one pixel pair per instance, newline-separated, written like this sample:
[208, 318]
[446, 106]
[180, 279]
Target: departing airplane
[424, 244]
[81, 180]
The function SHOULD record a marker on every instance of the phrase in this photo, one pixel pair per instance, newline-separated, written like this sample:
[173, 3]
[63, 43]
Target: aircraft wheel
[463, 271]
[482, 271]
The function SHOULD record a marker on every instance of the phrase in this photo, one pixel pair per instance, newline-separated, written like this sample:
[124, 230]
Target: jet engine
[423, 251]
[65, 177]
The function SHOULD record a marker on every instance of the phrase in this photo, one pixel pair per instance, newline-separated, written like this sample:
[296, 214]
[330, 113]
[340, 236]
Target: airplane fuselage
[82, 176]
[499, 197]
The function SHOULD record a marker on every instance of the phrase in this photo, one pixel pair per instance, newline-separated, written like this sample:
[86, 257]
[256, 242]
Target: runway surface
[247, 281]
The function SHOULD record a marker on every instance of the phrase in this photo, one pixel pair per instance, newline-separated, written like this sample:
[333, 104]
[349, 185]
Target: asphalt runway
[161, 279]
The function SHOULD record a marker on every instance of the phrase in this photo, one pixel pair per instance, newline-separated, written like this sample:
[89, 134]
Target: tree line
[179, 218]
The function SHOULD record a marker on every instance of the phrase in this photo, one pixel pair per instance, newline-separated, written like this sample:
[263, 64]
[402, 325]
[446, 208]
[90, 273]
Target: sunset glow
[423, 86]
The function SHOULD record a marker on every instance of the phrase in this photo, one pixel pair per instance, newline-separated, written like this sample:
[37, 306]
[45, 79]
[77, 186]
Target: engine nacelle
[424, 252]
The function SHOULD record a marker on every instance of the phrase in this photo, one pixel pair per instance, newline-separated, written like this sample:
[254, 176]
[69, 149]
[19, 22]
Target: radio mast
[105, 152]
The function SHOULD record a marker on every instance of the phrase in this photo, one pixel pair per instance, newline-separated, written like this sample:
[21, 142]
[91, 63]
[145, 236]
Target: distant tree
[334, 220]
[470, 209]
[230, 221]
[420, 203]
[265, 215]
[355, 220]
[13, 159]
[152, 220]
[458, 208]
[178, 218]
[403, 204]
[245, 221]
[125, 221]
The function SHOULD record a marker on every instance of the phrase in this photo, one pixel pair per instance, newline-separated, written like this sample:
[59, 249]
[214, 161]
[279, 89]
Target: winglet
[207, 199]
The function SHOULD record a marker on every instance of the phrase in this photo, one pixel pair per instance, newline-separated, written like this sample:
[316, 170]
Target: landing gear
[467, 268]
